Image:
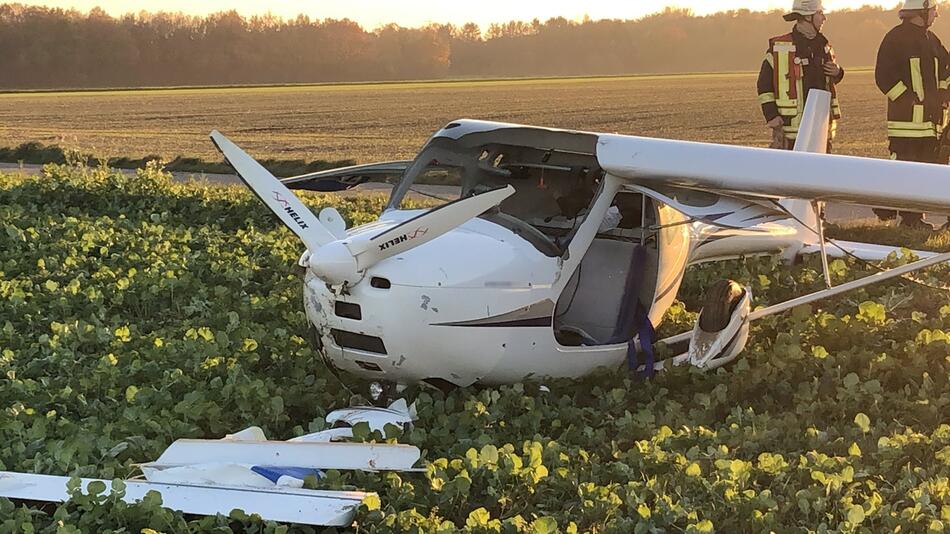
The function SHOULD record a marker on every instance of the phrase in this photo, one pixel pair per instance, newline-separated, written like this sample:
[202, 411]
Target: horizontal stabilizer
[865, 251]
[713, 209]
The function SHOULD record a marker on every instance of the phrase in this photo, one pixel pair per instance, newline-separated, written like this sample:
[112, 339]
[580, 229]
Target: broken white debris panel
[307, 507]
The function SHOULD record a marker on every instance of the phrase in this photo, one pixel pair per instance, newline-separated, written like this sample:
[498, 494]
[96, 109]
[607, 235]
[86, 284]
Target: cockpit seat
[592, 312]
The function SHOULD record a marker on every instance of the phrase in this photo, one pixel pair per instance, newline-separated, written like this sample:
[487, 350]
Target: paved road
[834, 212]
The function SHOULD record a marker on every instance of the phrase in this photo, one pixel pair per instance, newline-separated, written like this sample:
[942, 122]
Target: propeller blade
[333, 222]
[288, 208]
[423, 228]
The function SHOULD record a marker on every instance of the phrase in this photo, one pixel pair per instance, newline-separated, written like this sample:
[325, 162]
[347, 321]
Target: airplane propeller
[288, 208]
[344, 260]
[334, 257]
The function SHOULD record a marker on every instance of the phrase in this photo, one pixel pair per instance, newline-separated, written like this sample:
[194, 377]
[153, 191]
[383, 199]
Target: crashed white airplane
[563, 250]
[559, 255]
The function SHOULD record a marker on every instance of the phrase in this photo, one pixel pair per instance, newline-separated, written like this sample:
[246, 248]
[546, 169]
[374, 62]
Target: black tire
[720, 302]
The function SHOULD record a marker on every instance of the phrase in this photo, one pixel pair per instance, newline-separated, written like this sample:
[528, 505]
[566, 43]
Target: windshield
[555, 176]
[433, 184]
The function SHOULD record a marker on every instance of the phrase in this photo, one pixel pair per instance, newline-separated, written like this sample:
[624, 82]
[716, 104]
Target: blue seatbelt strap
[647, 336]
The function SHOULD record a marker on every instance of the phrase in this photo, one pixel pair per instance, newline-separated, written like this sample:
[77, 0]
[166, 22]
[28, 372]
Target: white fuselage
[475, 305]
[523, 292]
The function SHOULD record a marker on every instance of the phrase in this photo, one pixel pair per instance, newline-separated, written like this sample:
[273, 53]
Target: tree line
[44, 47]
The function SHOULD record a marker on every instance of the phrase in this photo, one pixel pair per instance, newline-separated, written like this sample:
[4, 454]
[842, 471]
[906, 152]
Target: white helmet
[918, 5]
[807, 8]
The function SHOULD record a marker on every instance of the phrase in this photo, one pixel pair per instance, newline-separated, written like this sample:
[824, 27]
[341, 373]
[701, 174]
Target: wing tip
[216, 139]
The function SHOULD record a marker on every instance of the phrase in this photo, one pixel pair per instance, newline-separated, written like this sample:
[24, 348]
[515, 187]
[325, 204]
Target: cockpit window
[433, 183]
[555, 176]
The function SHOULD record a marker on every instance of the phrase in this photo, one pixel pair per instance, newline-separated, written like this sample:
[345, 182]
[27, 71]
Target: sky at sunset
[413, 13]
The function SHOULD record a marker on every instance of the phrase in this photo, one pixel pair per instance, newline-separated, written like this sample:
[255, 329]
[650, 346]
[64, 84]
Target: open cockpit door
[627, 274]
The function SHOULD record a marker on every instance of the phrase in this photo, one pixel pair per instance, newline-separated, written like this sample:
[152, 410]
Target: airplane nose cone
[334, 263]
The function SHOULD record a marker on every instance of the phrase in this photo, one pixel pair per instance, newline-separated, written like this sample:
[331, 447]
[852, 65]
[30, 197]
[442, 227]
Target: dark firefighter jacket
[913, 71]
[794, 65]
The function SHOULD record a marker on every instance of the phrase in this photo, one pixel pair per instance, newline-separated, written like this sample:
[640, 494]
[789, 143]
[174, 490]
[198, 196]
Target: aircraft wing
[767, 173]
[346, 177]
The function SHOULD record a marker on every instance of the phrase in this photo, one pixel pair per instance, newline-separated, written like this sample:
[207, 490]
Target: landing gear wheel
[723, 327]
[719, 305]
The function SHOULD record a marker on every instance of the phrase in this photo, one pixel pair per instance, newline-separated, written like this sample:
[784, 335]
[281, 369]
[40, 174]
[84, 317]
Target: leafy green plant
[136, 310]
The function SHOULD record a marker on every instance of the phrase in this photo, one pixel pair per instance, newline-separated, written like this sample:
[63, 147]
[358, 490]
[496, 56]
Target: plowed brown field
[390, 121]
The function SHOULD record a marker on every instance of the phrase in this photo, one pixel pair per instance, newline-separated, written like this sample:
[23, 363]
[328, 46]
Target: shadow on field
[36, 153]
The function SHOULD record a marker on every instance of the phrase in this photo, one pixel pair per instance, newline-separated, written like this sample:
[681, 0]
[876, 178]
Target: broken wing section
[292, 505]
[345, 178]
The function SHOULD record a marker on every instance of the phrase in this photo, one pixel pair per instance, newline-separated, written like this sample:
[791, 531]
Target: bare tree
[44, 47]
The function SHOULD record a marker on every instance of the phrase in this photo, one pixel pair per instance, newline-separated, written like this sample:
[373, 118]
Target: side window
[629, 207]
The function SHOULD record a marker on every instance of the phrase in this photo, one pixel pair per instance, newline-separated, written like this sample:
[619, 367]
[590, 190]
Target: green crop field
[380, 122]
[135, 310]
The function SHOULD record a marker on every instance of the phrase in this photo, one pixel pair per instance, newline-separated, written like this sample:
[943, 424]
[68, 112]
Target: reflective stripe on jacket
[913, 71]
[782, 87]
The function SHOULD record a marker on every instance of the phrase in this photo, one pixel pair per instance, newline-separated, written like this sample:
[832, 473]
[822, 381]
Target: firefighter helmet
[918, 5]
[806, 8]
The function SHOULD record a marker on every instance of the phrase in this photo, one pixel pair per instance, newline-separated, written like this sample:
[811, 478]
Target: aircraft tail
[791, 235]
[812, 137]
[799, 233]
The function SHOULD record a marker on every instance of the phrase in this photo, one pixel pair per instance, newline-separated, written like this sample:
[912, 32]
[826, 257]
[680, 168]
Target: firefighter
[913, 72]
[795, 63]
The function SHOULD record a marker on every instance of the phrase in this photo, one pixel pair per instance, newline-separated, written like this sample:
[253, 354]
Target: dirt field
[380, 122]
